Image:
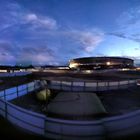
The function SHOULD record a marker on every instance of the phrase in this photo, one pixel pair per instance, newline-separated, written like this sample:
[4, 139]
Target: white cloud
[89, 40]
[14, 14]
[31, 17]
[40, 21]
[40, 28]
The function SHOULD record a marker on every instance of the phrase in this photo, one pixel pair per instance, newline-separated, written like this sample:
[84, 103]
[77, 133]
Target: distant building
[89, 63]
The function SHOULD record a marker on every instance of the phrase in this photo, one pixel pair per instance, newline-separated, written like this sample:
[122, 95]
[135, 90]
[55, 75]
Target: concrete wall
[90, 86]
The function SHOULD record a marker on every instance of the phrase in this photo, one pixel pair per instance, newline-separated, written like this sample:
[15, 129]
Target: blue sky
[50, 32]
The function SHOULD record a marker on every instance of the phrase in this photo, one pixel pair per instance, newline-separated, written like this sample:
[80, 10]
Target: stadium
[86, 63]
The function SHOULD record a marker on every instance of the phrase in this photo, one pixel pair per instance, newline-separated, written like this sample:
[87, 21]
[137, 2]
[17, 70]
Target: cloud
[129, 25]
[26, 33]
[76, 41]
[130, 18]
[27, 54]
[40, 21]
[126, 36]
[16, 22]
[7, 52]
[6, 46]
[137, 49]
[15, 15]
[31, 17]
[89, 40]
[34, 49]
[121, 35]
[35, 54]
[40, 58]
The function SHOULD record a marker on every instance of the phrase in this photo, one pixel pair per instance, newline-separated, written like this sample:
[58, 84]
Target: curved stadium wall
[86, 63]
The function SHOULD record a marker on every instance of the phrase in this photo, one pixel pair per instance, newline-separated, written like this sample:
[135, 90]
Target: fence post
[128, 83]
[84, 88]
[4, 95]
[49, 84]
[71, 85]
[27, 87]
[17, 90]
[34, 85]
[44, 126]
[97, 86]
[107, 85]
[5, 109]
[118, 84]
[60, 85]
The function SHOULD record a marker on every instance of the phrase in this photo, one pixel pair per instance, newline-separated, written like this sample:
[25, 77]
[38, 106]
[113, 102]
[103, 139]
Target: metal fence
[14, 92]
[89, 86]
[109, 127]
[21, 117]
[7, 74]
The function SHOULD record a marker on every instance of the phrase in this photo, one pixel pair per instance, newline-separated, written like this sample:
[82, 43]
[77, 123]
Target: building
[89, 63]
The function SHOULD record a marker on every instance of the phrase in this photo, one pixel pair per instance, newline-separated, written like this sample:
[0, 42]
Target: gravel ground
[108, 76]
[30, 102]
[116, 102]
[8, 82]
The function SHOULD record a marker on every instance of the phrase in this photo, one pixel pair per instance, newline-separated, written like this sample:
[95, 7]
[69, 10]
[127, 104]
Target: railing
[21, 117]
[14, 92]
[6, 74]
[89, 86]
[109, 127]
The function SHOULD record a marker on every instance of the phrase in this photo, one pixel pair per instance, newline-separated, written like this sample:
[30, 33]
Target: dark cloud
[4, 54]
[33, 30]
[137, 49]
[16, 23]
[36, 54]
[33, 54]
[88, 39]
[123, 35]
[129, 24]
[8, 47]
[33, 50]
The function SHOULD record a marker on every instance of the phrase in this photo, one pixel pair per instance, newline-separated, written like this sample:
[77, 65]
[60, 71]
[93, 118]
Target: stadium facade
[91, 63]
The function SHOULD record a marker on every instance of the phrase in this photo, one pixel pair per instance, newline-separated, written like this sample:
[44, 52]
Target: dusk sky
[50, 32]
